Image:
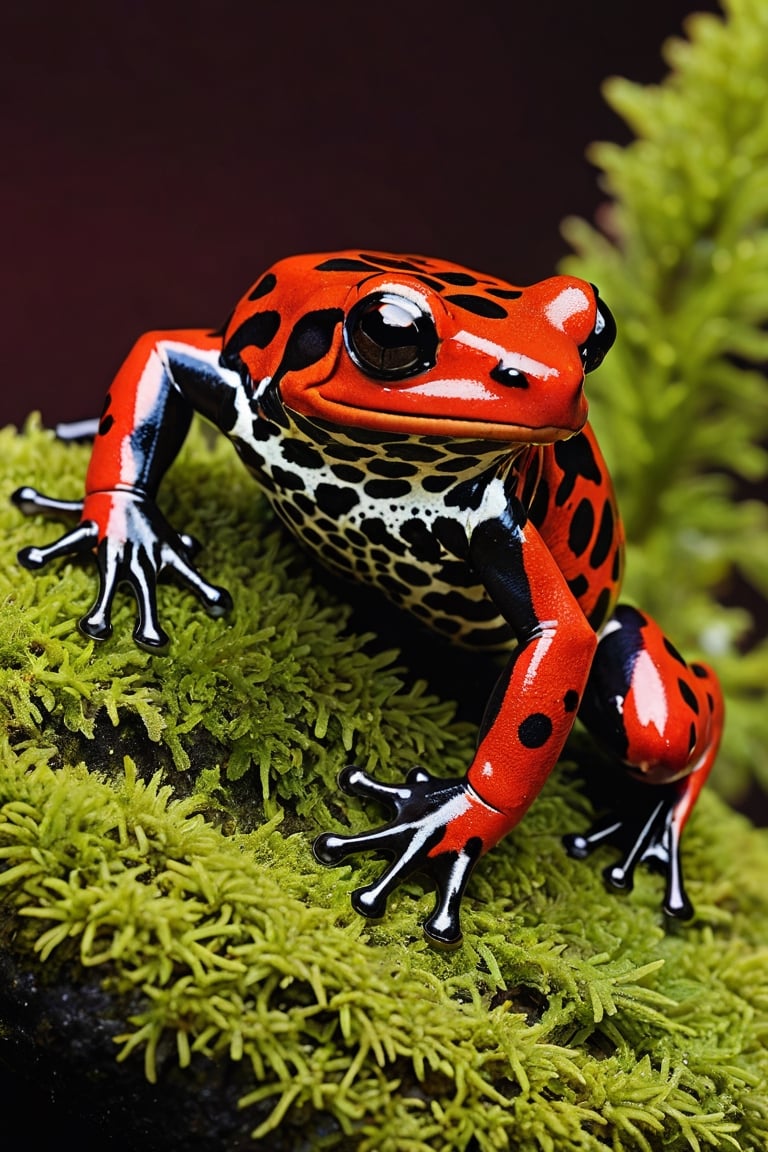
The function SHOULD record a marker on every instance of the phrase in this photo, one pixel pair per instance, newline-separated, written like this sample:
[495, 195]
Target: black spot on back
[505, 293]
[344, 264]
[310, 339]
[478, 305]
[264, 286]
[460, 279]
[581, 527]
[390, 262]
[604, 537]
[257, 331]
[674, 652]
[579, 586]
[106, 424]
[574, 458]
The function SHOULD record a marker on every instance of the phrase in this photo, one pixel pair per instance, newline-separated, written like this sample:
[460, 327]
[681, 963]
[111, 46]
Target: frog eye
[596, 345]
[390, 337]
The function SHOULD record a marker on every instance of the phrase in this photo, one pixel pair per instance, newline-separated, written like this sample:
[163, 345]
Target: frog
[422, 428]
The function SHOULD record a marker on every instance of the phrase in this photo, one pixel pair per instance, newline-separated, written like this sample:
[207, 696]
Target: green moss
[568, 1019]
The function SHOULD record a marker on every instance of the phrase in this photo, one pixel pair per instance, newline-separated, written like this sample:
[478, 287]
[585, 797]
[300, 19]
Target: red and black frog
[422, 428]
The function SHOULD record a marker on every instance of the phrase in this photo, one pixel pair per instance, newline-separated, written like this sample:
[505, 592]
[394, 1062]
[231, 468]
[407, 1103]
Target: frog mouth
[340, 414]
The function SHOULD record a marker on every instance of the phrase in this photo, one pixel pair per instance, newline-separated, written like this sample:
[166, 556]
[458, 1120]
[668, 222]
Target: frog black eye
[390, 337]
[603, 335]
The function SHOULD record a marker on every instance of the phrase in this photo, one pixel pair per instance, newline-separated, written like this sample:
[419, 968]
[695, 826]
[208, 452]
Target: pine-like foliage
[681, 405]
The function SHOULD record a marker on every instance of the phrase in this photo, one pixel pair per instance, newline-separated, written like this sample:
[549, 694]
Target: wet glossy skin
[422, 429]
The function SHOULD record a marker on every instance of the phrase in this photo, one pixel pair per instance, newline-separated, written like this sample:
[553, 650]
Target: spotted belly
[381, 515]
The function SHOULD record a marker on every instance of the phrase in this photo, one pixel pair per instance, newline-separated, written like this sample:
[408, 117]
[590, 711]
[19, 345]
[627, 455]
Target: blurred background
[158, 156]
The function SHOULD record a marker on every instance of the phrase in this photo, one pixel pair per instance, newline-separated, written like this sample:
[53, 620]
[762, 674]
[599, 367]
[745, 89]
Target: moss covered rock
[174, 959]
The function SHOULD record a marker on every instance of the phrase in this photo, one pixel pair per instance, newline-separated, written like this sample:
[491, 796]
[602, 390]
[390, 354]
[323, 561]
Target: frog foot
[649, 836]
[428, 812]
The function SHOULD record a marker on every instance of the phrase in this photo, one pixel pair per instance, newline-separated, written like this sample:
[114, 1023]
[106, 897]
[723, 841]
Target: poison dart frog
[422, 428]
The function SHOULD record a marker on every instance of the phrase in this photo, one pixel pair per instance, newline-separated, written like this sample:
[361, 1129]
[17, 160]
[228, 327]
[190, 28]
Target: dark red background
[158, 156]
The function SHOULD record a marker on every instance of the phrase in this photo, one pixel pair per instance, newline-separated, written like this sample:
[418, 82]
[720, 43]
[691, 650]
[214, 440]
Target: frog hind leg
[662, 719]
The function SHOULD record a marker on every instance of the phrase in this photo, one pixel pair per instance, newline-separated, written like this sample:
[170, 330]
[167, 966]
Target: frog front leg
[442, 827]
[145, 420]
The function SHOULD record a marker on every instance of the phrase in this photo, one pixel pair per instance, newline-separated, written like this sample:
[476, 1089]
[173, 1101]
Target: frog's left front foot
[440, 828]
[649, 835]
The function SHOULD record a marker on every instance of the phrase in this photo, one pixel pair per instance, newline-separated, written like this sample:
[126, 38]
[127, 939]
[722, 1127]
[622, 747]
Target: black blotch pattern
[478, 305]
[257, 331]
[386, 489]
[254, 462]
[264, 286]
[674, 652]
[571, 700]
[390, 262]
[335, 501]
[436, 483]
[581, 527]
[468, 494]
[457, 464]
[421, 541]
[505, 293]
[711, 701]
[460, 279]
[456, 573]
[310, 339]
[574, 458]
[535, 730]
[377, 532]
[452, 536]
[348, 473]
[604, 537]
[314, 430]
[262, 429]
[288, 481]
[106, 424]
[598, 614]
[699, 671]
[344, 264]
[540, 504]
[308, 507]
[392, 469]
[394, 587]
[107, 403]
[579, 586]
[456, 604]
[446, 624]
[351, 452]
[688, 695]
[412, 574]
[422, 453]
[435, 285]
[297, 452]
[616, 569]
[692, 738]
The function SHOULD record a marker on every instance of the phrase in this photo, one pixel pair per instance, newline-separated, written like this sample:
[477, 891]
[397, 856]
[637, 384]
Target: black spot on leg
[689, 696]
[105, 425]
[535, 730]
[692, 739]
[674, 652]
[571, 700]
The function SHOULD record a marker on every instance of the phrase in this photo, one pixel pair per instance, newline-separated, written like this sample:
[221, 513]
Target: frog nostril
[509, 377]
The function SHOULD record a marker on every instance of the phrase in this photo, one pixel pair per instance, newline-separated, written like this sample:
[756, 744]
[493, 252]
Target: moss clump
[568, 1019]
